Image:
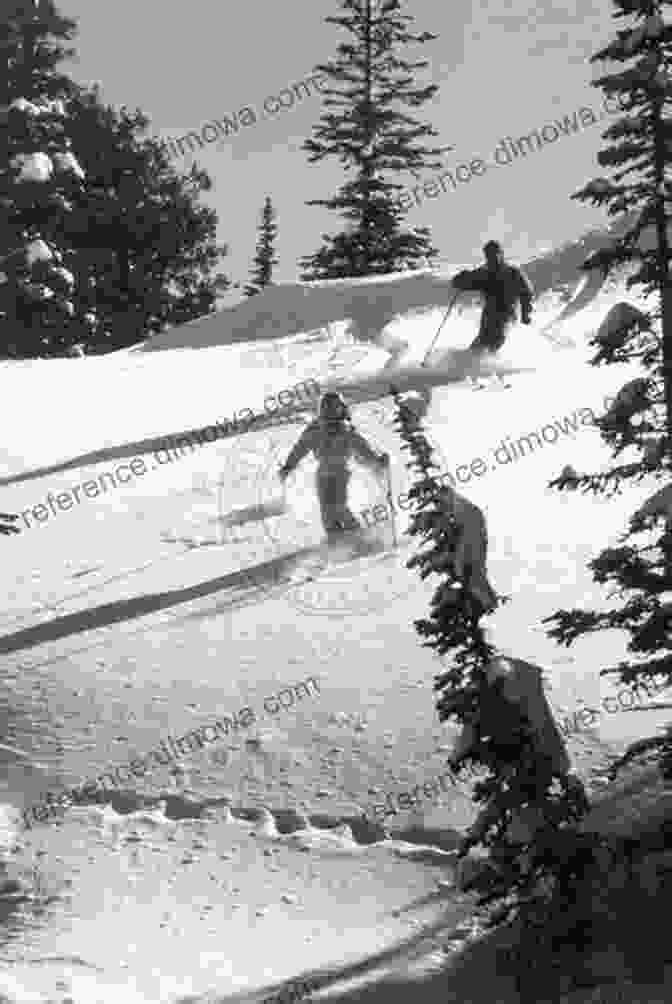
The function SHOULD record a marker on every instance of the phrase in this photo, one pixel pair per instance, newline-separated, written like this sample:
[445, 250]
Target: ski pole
[445, 318]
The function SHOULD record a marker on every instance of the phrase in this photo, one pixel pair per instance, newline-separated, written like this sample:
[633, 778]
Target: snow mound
[364, 306]
[615, 327]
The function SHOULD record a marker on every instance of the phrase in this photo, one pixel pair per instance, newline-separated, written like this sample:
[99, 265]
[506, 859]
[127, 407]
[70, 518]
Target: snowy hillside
[145, 609]
[102, 411]
[353, 333]
[350, 332]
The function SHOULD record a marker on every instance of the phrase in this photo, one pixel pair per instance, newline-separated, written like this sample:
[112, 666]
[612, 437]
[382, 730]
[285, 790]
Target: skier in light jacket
[503, 286]
[334, 441]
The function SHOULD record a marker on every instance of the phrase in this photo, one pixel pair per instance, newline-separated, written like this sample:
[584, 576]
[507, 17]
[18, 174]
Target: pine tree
[145, 243]
[101, 243]
[40, 178]
[374, 137]
[534, 880]
[265, 258]
[639, 422]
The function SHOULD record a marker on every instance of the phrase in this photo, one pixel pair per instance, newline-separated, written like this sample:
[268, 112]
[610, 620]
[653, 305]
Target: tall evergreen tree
[639, 422]
[265, 257]
[39, 178]
[101, 242]
[528, 826]
[144, 240]
[373, 135]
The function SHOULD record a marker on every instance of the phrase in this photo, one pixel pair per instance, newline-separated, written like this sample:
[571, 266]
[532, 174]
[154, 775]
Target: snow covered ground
[143, 612]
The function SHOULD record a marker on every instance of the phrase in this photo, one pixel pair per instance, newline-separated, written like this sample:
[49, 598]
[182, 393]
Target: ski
[365, 559]
[330, 568]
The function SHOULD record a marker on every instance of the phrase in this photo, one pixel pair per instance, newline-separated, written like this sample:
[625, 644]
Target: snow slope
[134, 616]
[371, 309]
[340, 331]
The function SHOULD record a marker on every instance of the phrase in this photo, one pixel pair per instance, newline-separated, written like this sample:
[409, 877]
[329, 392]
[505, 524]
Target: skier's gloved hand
[283, 473]
[527, 317]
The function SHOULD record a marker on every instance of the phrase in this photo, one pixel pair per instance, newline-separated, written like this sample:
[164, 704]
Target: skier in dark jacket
[334, 441]
[503, 286]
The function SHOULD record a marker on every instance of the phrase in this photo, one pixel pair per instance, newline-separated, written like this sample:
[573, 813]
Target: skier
[503, 285]
[333, 440]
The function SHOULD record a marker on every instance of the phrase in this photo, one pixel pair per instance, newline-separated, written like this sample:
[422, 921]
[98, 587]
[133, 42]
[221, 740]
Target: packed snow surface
[128, 616]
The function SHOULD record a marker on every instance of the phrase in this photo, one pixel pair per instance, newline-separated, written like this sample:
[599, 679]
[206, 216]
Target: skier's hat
[495, 245]
[333, 396]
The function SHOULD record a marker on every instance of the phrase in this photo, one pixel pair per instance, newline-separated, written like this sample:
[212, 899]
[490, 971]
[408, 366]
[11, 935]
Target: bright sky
[502, 68]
